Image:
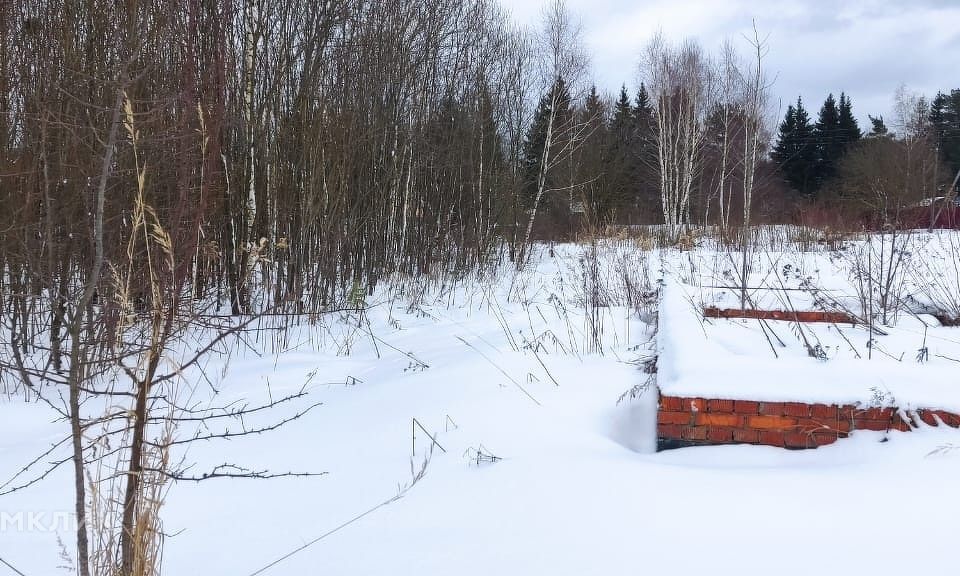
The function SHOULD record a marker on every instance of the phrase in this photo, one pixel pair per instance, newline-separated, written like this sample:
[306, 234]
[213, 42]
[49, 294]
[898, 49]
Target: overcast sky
[864, 47]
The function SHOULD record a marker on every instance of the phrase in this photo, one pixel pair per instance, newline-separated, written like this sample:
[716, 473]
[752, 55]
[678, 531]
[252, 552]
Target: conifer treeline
[831, 159]
[607, 176]
[945, 126]
[806, 153]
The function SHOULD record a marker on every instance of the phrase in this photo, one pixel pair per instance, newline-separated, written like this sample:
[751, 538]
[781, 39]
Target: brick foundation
[794, 316]
[685, 422]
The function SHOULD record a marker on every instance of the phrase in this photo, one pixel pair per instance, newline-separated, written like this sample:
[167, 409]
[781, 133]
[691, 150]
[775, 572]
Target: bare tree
[730, 125]
[563, 63]
[681, 82]
[757, 119]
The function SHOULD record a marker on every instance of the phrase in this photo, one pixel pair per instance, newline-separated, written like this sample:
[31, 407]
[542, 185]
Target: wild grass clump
[878, 268]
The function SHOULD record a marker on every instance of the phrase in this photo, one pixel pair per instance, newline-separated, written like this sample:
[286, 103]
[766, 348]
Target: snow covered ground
[510, 369]
[911, 361]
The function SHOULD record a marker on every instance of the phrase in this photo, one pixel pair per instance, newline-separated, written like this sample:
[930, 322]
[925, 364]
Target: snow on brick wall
[699, 421]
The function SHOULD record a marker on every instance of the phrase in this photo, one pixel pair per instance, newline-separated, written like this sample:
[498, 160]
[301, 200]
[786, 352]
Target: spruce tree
[829, 141]
[879, 128]
[620, 167]
[643, 116]
[646, 186]
[849, 129]
[807, 156]
[785, 148]
[945, 122]
[622, 124]
[795, 152]
[642, 108]
[536, 138]
[594, 160]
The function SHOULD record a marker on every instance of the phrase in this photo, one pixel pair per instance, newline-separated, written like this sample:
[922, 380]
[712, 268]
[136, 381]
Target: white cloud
[865, 47]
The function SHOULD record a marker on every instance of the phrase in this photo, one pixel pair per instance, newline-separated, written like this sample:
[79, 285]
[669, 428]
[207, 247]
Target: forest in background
[328, 145]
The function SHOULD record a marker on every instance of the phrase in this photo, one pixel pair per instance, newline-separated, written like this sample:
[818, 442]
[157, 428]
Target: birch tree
[563, 62]
[681, 82]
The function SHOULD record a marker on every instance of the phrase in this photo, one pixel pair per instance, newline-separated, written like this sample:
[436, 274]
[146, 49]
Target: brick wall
[698, 421]
[789, 315]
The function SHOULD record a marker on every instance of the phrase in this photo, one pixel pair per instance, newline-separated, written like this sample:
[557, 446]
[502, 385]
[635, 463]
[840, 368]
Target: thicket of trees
[879, 173]
[344, 140]
[315, 148]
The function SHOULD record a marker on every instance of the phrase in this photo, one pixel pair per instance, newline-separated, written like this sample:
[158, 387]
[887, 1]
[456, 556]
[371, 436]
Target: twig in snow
[10, 566]
[502, 371]
[413, 436]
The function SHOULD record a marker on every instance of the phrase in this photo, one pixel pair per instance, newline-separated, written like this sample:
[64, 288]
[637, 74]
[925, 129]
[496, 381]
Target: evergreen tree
[622, 124]
[879, 128]
[830, 143]
[849, 129]
[795, 152]
[643, 119]
[593, 108]
[536, 138]
[621, 166]
[786, 147]
[945, 122]
[642, 108]
[646, 190]
[594, 160]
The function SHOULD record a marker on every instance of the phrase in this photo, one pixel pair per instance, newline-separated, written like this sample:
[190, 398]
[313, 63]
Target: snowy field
[905, 359]
[502, 425]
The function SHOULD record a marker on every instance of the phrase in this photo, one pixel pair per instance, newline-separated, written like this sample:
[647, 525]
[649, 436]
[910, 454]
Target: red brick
[793, 316]
[797, 440]
[929, 418]
[913, 419]
[746, 407]
[808, 425]
[671, 404]
[771, 408]
[715, 434]
[720, 405]
[796, 409]
[901, 425]
[823, 411]
[824, 438]
[771, 437]
[684, 418]
[746, 436]
[948, 418]
[823, 425]
[771, 422]
[696, 405]
[693, 433]
[875, 414]
[731, 420]
[712, 312]
[671, 431]
[876, 425]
